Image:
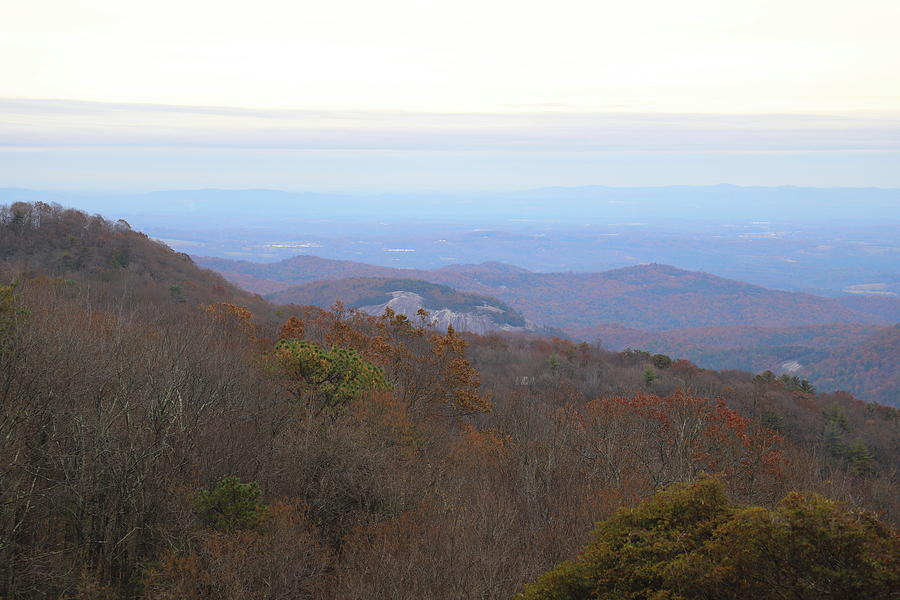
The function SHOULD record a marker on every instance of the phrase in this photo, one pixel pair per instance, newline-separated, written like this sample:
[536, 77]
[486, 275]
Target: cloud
[37, 124]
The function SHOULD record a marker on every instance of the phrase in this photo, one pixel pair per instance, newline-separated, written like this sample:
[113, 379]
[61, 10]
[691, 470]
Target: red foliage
[676, 437]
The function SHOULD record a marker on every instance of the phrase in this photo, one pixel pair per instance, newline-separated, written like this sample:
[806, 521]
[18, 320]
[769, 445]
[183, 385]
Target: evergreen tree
[860, 458]
[649, 376]
[231, 505]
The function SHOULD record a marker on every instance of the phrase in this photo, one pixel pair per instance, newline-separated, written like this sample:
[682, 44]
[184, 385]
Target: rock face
[465, 311]
[482, 319]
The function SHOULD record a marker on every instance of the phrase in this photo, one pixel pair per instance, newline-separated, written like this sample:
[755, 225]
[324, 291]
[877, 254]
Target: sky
[424, 95]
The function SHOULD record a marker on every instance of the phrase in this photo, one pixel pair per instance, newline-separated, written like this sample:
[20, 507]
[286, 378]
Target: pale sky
[503, 77]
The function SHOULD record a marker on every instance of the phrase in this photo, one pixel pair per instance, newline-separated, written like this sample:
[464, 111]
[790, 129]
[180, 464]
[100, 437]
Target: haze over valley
[798, 239]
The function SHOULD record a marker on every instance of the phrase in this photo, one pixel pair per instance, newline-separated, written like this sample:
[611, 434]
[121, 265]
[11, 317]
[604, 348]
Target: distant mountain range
[716, 322]
[653, 297]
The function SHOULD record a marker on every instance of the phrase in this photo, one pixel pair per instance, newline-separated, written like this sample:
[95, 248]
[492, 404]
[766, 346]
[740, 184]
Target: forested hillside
[819, 336]
[855, 358]
[164, 435]
[42, 240]
[869, 365]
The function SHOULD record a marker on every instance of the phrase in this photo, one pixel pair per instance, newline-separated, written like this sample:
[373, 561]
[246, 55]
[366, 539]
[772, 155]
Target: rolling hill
[266, 278]
[653, 297]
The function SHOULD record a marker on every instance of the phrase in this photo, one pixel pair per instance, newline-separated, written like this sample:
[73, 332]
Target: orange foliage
[232, 315]
[461, 379]
[343, 335]
[293, 328]
[488, 447]
[430, 371]
[388, 418]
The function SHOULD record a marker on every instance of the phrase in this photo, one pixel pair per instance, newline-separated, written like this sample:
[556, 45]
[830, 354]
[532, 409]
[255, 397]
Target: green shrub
[231, 505]
[688, 542]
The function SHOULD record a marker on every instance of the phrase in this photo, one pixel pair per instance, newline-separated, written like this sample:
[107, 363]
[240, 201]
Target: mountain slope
[42, 240]
[867, 368]
[854, 358]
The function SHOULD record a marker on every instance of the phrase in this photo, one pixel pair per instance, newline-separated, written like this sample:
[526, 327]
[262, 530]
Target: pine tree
[860, 458]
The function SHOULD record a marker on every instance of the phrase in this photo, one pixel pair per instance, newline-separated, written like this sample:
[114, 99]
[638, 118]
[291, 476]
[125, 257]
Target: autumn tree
[232, 316]
[429, 370]
[293, 328]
